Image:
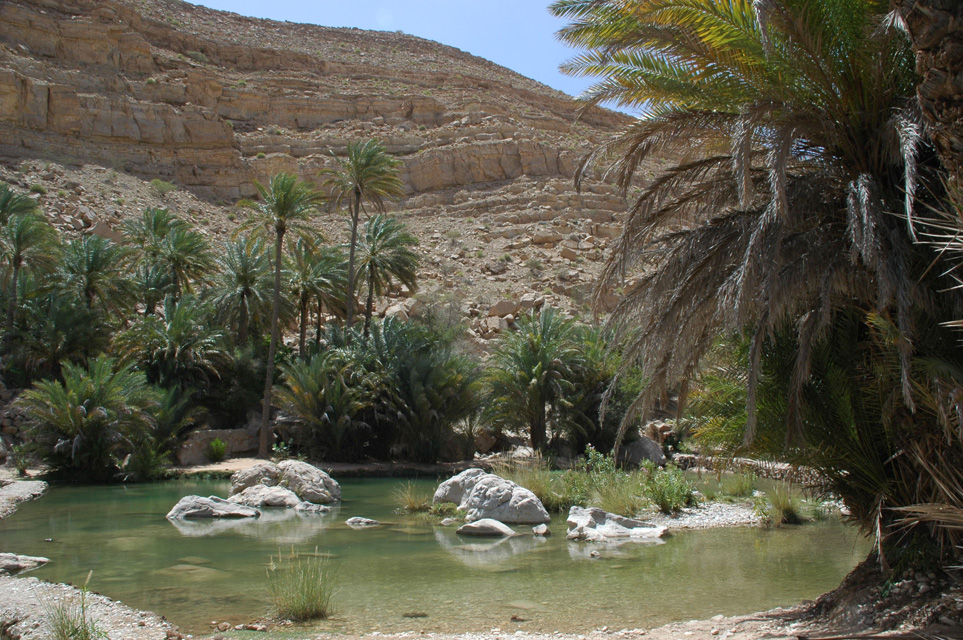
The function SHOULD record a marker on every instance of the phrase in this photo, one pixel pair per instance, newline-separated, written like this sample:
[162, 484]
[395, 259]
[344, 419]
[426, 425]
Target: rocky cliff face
[212, 101]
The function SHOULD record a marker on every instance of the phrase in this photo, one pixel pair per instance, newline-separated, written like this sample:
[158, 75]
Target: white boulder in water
[309, 483]
[486, 495]
[210, 507]
[261, 495]
[592, 524]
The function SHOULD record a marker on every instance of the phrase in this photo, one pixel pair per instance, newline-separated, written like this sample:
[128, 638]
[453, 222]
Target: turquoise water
[198, 572]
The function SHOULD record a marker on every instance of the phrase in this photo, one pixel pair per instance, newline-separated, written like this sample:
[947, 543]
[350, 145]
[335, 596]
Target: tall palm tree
[152, 283]
[531, 374]
[96, 270]
[27, 241]
[385, 254]
[367, 175]
[798, 139]
[314, 273]
[241, 291]
[287, 204]
[12, 203]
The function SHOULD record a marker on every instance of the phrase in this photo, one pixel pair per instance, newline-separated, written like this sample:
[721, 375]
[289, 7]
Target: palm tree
[152, 282]
[14, 204]
[85, 425]
[531, 374]
[58, 330]
[287, 204]
[187, 257]
[314, 273]
[27, 241]
[241, 291]
[149, 231]
[798, 139]
[95, 269]
[386, 255]
[182, 349]
[367, 175]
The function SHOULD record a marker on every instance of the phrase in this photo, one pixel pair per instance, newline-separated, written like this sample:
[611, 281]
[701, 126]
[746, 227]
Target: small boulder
[11, 563]
[541, 530]
[486, 527]
[210, 507]
[361, 523]
[311, 508]
[503, 308]
[595, 525]
[264, 496]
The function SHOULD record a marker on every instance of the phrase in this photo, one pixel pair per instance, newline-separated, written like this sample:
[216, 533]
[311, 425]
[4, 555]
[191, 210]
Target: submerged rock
[210, 507]
[11, 563]
[592, 524]
[541, 530]
[309, 483]
[264, 496]
[486, 495]
[310, 507]
[486, 527]
[361, 523]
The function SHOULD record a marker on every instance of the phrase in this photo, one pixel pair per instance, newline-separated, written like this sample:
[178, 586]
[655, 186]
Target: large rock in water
[595, 525]
[486, 495]
[210, 507]
[309, 483]
[261, 495]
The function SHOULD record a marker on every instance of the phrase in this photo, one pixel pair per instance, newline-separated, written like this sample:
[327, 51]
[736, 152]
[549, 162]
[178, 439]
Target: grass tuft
[70, 619]
[301, 586]
[411, 499]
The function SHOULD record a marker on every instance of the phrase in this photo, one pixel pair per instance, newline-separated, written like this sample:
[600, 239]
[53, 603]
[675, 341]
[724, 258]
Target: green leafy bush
[161, 187]
[216, 450]
[669, 489]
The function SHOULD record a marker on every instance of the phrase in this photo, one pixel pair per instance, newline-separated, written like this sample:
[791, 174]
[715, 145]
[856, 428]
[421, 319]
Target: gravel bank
[708, 516]
[25, 604]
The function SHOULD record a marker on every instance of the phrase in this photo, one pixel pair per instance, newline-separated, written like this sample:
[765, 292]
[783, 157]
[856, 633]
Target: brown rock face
[212, 100]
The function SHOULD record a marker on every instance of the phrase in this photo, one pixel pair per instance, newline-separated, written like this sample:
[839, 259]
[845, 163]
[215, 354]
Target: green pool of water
[198, 572]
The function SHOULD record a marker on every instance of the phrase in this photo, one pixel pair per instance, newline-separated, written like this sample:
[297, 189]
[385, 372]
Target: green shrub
[301, 586]
[150, 81]
[70, 619]
[198, 56]
[38, 188]
[261, 154]
[162, 188]
[779, 507]
[669, 489]
[411, 499]
[216, 450]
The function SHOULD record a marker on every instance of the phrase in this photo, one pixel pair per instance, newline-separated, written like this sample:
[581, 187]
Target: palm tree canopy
[28, 242]
[149, 231]
[367, 174]
[242, 284]
[797, 140]
[186, 255]
[385, 254]
[12, 203]
[316, 272]
[285, 203]
[95, 269]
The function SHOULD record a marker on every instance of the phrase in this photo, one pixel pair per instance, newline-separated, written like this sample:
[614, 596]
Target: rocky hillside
[99, 97]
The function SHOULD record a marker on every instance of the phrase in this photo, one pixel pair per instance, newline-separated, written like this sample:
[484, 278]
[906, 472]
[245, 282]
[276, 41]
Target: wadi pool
[197, 572]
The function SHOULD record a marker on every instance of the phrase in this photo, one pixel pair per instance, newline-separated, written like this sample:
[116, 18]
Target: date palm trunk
[265, 431]
[936, 32]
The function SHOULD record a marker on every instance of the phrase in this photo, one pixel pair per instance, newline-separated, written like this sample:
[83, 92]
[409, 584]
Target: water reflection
[277, 525]
[484, 553]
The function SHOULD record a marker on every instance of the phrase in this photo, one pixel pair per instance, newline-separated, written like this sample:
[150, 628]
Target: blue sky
[518, 34]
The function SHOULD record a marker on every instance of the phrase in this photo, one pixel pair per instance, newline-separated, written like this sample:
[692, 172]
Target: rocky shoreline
[12, 493]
